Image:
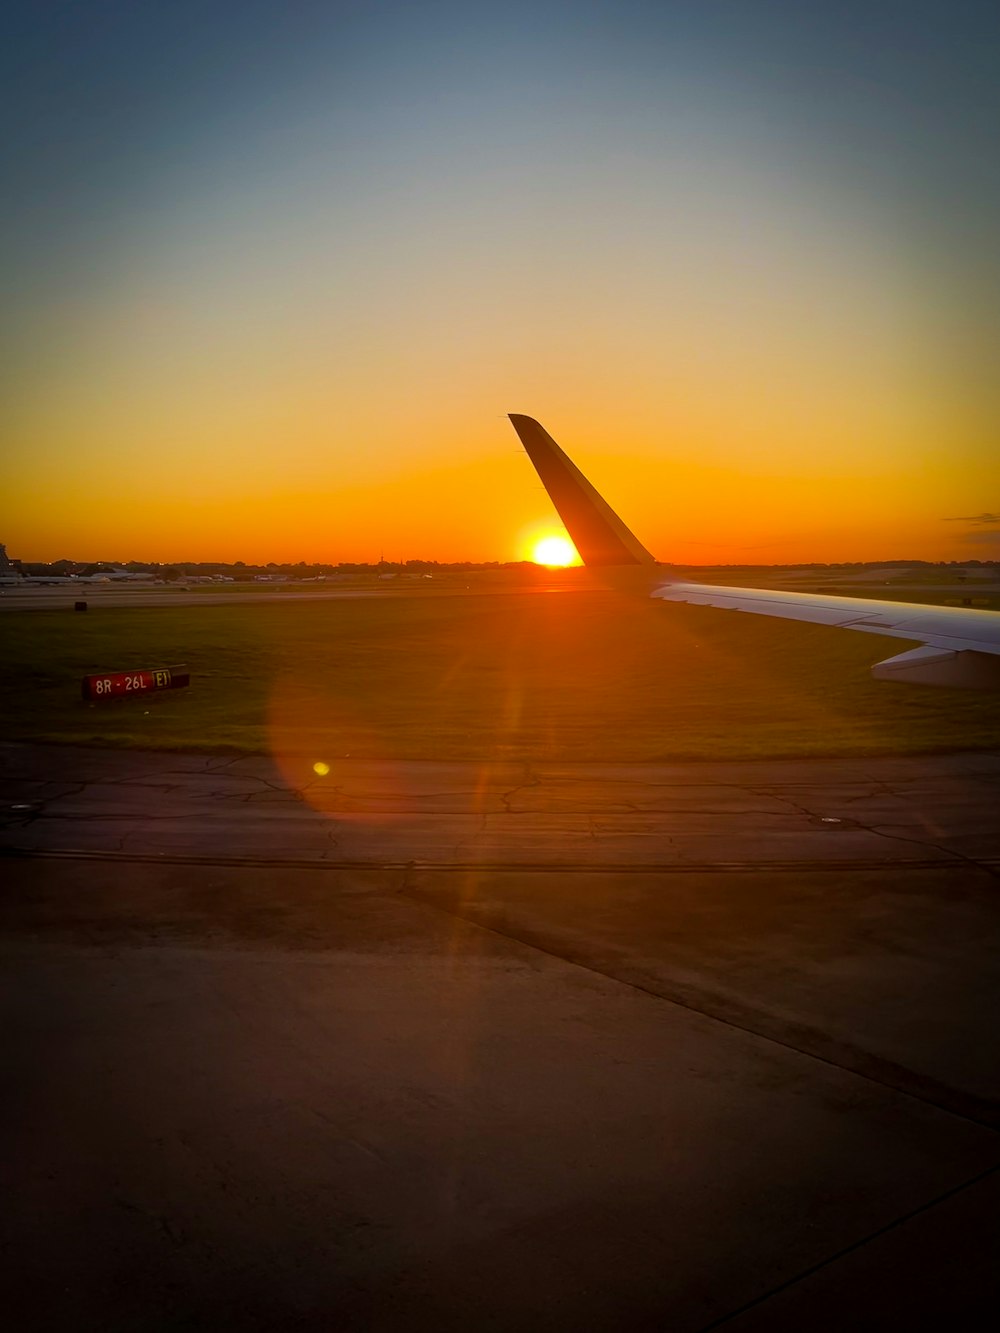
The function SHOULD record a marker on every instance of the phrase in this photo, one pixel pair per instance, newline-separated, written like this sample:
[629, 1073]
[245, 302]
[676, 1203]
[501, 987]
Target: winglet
[599, 535]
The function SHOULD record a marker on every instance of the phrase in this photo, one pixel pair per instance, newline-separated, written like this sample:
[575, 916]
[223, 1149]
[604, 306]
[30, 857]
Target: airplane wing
[957, 645]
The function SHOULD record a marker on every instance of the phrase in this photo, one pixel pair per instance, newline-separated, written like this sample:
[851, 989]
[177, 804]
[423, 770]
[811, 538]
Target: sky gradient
[276, 273]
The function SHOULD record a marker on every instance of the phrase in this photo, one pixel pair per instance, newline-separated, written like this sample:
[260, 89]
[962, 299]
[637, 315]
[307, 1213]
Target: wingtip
[598, 533]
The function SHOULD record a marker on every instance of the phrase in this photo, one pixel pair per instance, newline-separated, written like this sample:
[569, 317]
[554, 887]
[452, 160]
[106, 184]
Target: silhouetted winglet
[598, 533]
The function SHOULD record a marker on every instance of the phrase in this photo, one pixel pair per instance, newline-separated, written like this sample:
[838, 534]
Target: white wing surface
[958, 645]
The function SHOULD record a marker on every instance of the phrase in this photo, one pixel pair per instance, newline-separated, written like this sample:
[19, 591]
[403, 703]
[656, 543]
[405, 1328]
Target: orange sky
[292, 330]
[458, 491]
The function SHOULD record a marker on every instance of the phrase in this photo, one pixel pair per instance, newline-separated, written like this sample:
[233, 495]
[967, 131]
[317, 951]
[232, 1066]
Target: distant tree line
[239, 571]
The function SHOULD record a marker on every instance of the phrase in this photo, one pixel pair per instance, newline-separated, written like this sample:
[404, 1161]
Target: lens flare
[357, 778]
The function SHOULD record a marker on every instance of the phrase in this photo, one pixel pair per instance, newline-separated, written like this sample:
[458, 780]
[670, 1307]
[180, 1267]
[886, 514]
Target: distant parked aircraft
[111, 575]
[958, 646]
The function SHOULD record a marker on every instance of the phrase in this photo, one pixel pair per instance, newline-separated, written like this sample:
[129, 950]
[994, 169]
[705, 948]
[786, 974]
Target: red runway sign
[115, 684]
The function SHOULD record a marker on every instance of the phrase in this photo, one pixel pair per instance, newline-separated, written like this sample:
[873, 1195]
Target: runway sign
[118, 684]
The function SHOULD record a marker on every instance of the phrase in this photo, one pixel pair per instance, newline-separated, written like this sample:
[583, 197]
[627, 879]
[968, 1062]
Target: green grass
[575, 676]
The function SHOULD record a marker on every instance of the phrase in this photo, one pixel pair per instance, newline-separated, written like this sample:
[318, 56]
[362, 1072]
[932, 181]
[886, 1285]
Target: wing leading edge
[598, 533]
[958, 646]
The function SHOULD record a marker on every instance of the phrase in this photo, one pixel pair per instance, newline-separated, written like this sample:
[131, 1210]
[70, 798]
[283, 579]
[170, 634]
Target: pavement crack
[117, 816]
[777, 795]
[131, 782]
[879, 787]
[218, 765]
[851, 1249]
[38, 808]
[531, 779]
[880, 831]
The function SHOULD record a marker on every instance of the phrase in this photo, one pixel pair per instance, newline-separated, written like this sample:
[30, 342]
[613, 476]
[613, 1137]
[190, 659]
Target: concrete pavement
[927, 810]
[444, 1046]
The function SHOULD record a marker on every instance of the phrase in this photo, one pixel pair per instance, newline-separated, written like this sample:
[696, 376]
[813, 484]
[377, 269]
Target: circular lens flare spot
[307, 716]
[556, 552]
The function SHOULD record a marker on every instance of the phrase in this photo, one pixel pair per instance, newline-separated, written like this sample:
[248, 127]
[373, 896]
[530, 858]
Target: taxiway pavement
[481, 1046]
[927, 810]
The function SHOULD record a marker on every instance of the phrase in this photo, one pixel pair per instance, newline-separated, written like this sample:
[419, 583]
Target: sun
[554, 551]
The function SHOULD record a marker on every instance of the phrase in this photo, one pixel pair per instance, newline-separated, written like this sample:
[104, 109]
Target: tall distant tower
[5, 565]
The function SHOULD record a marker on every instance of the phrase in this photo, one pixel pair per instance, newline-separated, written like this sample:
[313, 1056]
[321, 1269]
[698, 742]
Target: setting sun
[554, 551]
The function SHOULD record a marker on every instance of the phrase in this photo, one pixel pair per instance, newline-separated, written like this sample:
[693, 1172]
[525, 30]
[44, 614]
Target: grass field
[534, 676]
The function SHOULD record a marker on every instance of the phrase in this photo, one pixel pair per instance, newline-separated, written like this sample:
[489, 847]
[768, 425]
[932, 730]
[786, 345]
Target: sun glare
[553, 551]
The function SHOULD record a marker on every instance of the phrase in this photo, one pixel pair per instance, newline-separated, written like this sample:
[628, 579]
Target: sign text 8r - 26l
[116, 684]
